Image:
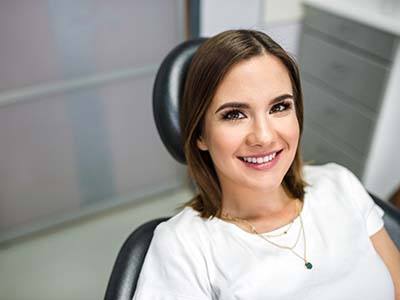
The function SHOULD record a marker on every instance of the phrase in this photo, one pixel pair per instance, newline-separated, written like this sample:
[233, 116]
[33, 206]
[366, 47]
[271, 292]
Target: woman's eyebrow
[245, 105]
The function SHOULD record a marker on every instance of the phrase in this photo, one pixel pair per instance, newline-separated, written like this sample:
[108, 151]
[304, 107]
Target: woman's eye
[279, 107]
[233, 115]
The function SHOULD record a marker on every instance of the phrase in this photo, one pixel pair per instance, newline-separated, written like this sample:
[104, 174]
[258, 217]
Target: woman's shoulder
[328, 169]
[332, 173]
[186, 224]
[334, 184]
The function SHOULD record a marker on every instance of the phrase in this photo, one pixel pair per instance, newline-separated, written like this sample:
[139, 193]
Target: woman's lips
[262, 166]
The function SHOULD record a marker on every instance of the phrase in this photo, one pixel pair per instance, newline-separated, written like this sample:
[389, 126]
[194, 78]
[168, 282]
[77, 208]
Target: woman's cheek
[291, 128]
[226, 141]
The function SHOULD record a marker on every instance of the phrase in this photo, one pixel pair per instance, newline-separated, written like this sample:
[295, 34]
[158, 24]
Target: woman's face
[251, 129]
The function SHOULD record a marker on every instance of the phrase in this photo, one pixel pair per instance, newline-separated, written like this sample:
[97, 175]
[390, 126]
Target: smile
[261, 162]
[260, 159]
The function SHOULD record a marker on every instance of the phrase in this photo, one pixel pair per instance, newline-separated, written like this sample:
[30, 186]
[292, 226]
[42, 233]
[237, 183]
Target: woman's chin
[263, 186]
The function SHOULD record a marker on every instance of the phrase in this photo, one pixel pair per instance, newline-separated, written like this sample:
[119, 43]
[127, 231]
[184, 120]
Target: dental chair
[168, 88]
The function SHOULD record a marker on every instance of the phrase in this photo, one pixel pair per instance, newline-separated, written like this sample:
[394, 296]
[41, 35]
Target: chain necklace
[307, 264]
[282, 233]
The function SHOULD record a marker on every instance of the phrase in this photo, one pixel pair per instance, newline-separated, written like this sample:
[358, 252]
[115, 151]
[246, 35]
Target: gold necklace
[264, 236]
[282, 233]
[307, 264]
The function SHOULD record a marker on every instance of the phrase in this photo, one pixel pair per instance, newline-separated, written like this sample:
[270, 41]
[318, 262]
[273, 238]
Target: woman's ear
[201, 144]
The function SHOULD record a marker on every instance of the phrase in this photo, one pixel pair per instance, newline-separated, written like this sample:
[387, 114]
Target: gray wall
[76, 127]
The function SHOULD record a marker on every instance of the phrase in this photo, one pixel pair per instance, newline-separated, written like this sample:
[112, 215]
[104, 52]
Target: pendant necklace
[303, 257]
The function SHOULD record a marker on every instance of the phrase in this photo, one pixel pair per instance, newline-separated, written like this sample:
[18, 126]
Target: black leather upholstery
[125, 274]
[167, 92]
[391, 219]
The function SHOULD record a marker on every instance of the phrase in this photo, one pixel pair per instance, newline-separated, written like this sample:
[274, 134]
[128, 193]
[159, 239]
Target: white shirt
[191, 258]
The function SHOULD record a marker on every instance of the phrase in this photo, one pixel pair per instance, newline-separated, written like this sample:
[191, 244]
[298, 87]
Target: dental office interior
[81, 161]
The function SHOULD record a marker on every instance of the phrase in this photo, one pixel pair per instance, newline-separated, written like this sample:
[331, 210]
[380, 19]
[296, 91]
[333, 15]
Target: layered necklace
[266, 237]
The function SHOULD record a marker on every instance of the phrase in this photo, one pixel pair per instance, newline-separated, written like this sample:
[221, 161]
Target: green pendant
[308, 265]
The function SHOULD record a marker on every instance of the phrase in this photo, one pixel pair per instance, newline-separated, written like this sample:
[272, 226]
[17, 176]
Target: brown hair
[211, 62]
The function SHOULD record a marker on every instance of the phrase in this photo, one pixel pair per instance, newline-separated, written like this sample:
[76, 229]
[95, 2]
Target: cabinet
[345, 67]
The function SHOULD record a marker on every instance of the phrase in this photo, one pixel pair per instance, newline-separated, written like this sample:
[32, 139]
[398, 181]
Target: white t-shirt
[191, 258]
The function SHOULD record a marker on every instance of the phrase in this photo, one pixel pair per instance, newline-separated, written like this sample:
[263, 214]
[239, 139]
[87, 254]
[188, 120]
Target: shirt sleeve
[371, 212]
[174, 269]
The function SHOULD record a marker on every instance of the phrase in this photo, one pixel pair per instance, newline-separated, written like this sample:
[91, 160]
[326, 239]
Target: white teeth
[260, 160]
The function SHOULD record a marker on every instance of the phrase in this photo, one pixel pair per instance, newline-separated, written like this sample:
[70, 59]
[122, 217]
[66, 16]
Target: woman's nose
[261, 132]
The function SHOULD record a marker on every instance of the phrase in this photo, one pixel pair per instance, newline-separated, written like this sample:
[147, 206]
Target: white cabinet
[347, 67]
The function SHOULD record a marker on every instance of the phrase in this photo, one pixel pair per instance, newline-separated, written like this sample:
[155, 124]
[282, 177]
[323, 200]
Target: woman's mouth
[261, 162]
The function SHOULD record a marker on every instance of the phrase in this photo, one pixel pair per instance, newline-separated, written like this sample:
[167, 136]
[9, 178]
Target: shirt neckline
[237, 230]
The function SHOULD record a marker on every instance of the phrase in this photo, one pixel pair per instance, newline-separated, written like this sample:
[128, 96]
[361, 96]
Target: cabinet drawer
[343, 70]
[320, 148]
[339, 118]
[367, 38]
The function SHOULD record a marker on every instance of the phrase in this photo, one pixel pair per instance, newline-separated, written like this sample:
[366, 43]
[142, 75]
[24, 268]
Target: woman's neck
[252, 204]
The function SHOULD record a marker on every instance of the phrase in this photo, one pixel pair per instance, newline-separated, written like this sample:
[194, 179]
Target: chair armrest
[127, 267]
[391, 219]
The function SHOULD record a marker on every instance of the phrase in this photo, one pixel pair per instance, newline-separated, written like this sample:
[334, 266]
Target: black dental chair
[166, 94]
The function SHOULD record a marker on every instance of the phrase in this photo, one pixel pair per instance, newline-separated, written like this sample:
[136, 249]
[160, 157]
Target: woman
[262, 226]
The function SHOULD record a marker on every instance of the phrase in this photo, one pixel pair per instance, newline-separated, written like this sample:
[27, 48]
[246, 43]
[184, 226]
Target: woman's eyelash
[233, 114]
[236, 114]
[281, 106]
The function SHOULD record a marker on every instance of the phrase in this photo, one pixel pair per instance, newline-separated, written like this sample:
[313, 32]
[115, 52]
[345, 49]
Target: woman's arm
[390, 255]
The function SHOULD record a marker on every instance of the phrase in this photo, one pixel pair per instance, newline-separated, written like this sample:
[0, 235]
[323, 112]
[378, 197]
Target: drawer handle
[336, 71]
[338, 68]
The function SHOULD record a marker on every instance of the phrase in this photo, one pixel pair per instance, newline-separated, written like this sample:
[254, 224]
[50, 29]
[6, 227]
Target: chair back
[127, 267]
[167, 92]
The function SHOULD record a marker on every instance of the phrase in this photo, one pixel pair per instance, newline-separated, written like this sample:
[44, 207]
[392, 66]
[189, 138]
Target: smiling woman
[249, 106]
[262, 225]
[239, 136]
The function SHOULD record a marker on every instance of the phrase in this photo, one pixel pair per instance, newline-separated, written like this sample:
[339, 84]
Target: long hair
[211, 62]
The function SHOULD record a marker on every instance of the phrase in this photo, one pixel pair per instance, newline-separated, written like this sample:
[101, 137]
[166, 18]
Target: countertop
[381, 14]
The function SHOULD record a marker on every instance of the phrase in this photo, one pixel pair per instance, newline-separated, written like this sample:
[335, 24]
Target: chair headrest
[167, 92]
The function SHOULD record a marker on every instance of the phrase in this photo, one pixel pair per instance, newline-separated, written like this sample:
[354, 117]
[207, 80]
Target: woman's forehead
[261, 77]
